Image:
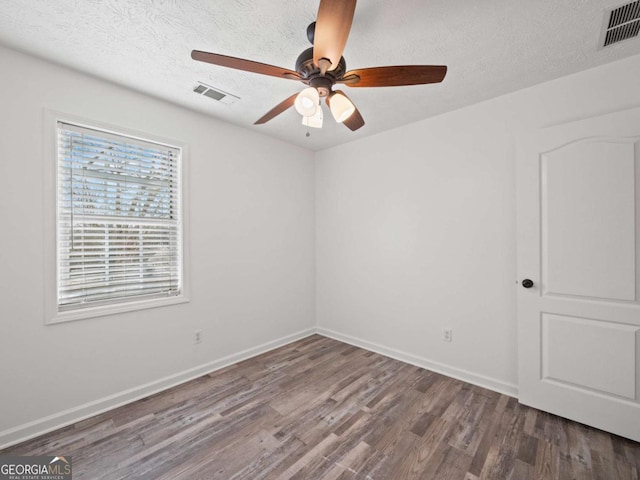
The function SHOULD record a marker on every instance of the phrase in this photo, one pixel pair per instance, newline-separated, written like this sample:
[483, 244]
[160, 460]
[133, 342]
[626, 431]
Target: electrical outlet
[447, 335]
[197, 336]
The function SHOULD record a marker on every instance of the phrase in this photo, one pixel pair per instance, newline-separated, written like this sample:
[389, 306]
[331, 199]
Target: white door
[579, 243]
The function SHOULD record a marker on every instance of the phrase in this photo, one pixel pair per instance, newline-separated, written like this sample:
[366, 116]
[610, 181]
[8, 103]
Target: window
[118, 222]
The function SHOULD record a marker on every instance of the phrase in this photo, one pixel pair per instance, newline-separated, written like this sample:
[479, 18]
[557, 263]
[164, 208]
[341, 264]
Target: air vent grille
[215, 93]
[624, 23]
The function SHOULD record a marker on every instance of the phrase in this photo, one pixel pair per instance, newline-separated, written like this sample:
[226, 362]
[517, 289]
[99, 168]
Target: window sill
[105, 310]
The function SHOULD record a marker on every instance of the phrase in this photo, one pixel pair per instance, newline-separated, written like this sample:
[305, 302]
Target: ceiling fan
[322, 66]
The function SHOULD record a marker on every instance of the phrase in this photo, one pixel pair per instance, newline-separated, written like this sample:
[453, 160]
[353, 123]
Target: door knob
[526, 283]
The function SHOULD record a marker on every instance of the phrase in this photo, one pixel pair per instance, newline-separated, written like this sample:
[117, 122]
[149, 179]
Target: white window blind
[119, 222]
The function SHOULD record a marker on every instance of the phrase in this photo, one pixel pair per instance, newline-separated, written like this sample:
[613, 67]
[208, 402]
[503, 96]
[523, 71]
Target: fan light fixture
[314, 120]
[306, 102]
[341, 107]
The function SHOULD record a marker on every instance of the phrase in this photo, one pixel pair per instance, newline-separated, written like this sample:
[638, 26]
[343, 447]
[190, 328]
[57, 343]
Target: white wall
[252, 254]
[415, 232]
[416, 227]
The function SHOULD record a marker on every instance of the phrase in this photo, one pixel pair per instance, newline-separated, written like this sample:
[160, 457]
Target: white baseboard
[38, 427]
[454, 372]
[58, 420]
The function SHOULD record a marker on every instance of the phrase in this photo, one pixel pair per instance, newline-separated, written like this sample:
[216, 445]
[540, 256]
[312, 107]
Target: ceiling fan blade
[395, 76]
[331, 33]
[355, 120]
[246, 65]
[277, 110]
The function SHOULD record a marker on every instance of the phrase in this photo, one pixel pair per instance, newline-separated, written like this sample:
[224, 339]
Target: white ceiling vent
[622, 23]
[215, 93]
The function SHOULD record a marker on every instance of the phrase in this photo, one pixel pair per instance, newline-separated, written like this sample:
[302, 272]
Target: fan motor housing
[311, 73]
[304, 64]
[322, 83]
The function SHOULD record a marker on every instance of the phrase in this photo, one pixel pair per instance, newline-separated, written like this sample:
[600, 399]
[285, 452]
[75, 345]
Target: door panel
[601, 357]
[578, 240]
[589, 186]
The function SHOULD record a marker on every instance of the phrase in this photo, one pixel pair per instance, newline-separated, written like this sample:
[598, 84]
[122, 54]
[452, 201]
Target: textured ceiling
[491, 47]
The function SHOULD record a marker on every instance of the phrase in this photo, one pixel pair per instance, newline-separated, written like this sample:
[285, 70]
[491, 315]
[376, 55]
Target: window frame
[53, 314]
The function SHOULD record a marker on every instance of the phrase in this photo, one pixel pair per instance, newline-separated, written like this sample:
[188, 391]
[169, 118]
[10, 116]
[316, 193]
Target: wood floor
[321, 409]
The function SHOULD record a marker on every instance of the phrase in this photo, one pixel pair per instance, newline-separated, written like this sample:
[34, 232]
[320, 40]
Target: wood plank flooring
[321, 409]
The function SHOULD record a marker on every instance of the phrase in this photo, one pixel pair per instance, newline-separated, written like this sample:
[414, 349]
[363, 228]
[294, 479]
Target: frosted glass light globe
[306, 102]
